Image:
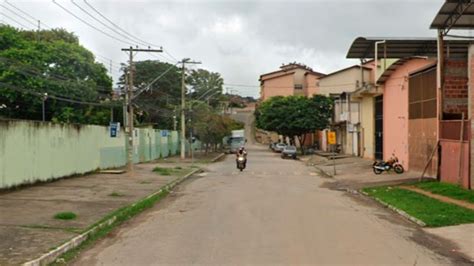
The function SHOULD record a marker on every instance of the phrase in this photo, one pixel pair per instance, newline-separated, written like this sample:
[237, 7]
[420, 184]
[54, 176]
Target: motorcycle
[392, 163]
[241, 163]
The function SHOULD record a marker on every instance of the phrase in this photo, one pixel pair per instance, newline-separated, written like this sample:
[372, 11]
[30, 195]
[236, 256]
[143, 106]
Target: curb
[402, 213]
[218, 157]
[76, 241]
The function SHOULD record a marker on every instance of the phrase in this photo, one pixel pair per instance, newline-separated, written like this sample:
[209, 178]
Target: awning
[364, 47]
[454, 14]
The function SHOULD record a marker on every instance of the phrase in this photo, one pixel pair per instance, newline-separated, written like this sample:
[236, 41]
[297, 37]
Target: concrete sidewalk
[354, 173]
[28, 228]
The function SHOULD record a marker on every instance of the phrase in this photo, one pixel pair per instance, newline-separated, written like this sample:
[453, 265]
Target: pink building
[291, 79]
[396, 118]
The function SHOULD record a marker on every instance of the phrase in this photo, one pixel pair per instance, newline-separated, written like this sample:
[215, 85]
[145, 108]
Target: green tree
[156, 104]
[206, 85]
[294, 116]
[209, 126]
[57, 65]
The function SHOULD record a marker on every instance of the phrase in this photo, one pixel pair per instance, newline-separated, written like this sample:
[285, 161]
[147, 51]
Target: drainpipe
[376, 59]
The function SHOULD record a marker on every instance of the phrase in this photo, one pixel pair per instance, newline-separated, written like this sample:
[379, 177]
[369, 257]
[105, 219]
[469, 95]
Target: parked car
[279, 147]
[289, 152]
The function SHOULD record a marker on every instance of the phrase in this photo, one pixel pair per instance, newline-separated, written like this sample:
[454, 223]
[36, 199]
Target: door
[378, 127]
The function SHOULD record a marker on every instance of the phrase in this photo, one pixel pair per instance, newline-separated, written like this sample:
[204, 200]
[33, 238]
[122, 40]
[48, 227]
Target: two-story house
[291, 79]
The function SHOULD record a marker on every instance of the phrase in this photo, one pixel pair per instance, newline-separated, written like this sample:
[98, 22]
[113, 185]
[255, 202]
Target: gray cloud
[243, 39]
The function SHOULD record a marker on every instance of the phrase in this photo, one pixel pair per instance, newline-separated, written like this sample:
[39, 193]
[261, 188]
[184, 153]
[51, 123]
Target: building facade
[291, 79]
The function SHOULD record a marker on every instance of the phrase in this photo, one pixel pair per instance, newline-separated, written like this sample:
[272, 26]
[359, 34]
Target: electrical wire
[38, 73]
[126, 32]
[26, 14]
[118, 27]
[90, 25]
[18, 15]
[16, 21]
[52, 96]
[105, 25]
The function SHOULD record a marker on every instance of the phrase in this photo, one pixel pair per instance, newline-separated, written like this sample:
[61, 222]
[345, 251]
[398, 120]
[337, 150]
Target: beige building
[291, 79]
[347, 118]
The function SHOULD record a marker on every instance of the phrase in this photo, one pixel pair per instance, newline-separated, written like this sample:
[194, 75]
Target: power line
[35, 73]
[14, 20]
[128, 33]
[105, 25]
[26, 14]
[52, 96]
[118, 27]
[18, 15]
[88, 24]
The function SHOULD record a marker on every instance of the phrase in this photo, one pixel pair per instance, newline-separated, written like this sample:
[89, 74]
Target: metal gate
[378, 127]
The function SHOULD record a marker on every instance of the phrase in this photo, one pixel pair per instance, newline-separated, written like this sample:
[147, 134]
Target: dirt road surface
[273, 213]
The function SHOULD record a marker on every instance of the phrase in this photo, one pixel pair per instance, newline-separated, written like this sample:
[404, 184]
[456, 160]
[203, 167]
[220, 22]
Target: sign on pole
[114, 129]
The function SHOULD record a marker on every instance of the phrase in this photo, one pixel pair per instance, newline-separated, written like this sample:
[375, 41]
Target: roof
[393, 67]
[290, 69]
[347, 68]
[454, 14]
[364, 47]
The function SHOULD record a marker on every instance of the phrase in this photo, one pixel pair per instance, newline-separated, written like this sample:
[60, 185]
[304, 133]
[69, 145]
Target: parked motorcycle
[392, 163]
[241, 163]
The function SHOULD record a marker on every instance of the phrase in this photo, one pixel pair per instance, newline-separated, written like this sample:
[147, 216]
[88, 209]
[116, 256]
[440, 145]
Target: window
[298, 87]
[422, 95]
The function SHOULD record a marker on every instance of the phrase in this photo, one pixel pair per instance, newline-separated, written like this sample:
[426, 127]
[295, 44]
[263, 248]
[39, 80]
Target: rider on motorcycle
[243, 153]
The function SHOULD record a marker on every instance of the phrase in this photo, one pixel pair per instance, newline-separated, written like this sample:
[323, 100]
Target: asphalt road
[275, 212]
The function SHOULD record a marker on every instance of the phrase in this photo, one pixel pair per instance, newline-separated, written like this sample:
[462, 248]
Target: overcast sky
[239, 39]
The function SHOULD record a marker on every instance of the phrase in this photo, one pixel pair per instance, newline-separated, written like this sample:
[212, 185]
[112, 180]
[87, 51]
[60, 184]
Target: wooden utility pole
[130, 119]
[183, 104]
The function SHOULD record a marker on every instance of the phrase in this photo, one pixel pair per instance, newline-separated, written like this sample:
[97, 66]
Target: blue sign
[164, 133]
[114, 129]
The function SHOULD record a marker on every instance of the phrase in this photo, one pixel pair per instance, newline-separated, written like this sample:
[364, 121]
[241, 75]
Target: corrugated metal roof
[455, 14]
[364, 47]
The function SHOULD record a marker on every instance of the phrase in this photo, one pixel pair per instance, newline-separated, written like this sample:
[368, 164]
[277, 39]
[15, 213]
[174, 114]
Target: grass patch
[448, 190]
[146, 182]
[432, 212]
[116, 194]
[121, 215]
[178, 167]
[163, 170]
[65, 216]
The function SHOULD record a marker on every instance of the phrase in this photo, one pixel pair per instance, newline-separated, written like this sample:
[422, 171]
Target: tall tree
[206, 85]
[57, 65]
[157, 104]
[294, 116]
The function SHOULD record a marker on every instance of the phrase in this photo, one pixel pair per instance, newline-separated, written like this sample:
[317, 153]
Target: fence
[33, 151]
[455, 154]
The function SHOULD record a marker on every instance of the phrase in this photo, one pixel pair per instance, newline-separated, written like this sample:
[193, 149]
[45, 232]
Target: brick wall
[455, 89]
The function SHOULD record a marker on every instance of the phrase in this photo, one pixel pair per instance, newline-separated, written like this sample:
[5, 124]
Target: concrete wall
[311, 84]
[344, 81]
[367, 127]
[279, 86]
[35, 151]
[395, 111]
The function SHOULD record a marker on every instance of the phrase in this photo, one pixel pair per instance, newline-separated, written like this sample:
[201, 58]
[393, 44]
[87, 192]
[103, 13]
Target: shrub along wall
[33, 151]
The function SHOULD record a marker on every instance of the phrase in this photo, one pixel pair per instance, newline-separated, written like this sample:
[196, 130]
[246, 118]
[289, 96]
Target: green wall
[36, 151]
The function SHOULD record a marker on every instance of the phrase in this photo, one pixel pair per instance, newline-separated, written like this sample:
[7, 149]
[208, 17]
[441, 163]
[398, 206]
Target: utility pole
[130, 146]
[183, 104]
[39, 29]
[45, 97]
